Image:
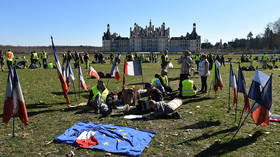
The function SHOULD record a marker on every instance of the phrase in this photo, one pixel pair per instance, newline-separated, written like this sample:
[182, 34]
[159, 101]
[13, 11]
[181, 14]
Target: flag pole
[229, 91]
[236, 109]
[239, 127]
[13, 126]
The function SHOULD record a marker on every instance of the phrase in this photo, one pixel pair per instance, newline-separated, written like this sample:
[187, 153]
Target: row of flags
[260, 91]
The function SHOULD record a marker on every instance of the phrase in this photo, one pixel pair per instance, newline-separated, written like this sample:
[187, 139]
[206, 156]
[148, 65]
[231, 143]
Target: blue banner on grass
[111, 138]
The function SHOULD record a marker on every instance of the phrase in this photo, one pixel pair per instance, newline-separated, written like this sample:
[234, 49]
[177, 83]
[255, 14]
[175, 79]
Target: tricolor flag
[260, 79]
[60, 75]
[260, 111]
[93, 73]
[241, 87]
[115, 72]
[133, 68]
[216, 77]
[69, 74]
[14, 104]
[81, 77]
[233, 84]
[86, 139]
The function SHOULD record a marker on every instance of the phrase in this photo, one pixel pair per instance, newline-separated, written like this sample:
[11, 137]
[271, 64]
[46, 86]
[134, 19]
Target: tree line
[269, 39]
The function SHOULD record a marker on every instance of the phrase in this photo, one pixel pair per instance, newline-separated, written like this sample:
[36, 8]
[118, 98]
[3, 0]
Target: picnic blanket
[110, 138]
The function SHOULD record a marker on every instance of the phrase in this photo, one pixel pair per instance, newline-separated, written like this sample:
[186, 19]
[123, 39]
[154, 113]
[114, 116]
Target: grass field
[205, 128]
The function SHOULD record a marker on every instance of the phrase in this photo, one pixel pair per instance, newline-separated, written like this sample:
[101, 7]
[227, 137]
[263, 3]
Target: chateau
[150, 39]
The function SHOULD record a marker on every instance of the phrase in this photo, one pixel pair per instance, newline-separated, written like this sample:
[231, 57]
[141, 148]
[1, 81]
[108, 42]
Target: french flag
[241, 87]
[133, 68]
[69, 74]
[86, 139]
[60, 75]
[81, 77]
[63, 71]
[216, 77]
[115, 72]
[233, 84]
[93, 73]
[14, 104]
[259, 80]
[260, 111]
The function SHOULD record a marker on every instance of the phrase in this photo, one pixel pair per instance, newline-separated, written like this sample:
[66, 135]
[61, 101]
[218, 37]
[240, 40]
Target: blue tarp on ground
[111, 138]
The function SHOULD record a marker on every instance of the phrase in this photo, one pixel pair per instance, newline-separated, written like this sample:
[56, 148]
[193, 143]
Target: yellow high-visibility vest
[9, 56]
[164, 80]
[187, 88]
[95, 92]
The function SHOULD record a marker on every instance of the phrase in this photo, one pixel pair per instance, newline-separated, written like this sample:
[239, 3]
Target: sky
[82, 22]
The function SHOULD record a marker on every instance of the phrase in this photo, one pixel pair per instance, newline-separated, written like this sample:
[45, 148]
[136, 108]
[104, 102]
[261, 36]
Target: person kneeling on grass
[97, 98]
[188, 88]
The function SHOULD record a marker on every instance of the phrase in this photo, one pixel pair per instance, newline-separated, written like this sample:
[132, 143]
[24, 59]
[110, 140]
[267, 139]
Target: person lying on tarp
[97, 98]
[163, 110]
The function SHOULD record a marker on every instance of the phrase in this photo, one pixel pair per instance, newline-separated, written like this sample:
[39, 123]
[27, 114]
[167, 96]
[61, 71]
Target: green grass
[196, 133]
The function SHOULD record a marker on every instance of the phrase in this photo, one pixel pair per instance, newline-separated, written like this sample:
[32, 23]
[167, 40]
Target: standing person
[9, 58]
[2, 60]
[44, 57]
[111, 58]
[197, 60]
[210, 59]
[251, 60]
[186, 67]
[119, 58]
[86, 58]
[164, 60]
[203, 71]
[222, 60]
[265, 58]
[274, 60]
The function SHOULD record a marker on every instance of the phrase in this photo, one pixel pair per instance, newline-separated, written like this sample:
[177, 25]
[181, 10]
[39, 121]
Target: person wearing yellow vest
[188, 87]
[97, 97]
[157, 83]
[164, 60]
[265, 59]
[251, 59]
[9, 58]
[44, 57]
[197, 59]
[274, 60]
[164, 81]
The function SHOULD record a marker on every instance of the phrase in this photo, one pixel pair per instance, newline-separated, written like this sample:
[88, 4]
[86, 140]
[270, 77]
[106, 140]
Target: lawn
[205, 127]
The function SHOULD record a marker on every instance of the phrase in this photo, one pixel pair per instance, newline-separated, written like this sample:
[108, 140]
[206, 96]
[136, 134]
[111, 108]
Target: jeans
[204, 83]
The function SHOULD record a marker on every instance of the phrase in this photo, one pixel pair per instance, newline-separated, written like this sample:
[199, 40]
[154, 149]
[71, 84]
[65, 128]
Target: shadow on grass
[141, 83]
[34, 113]
[69, 93]
[173, 79]
[218, 149]
[42, 105]
[195, 99]
[202, 125]
[206, 136]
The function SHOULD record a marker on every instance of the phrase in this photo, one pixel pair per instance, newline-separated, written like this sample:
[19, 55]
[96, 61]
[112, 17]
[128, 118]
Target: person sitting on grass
[154, 93]
[188, 87]
[157, 83]
[97, 98]
[164, 81]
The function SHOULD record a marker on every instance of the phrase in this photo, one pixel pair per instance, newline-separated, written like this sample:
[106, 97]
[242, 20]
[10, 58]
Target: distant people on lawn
[186, 67]
[44, 57]
[2, 60]
[164, 60]
[9, 58]
[203, 72]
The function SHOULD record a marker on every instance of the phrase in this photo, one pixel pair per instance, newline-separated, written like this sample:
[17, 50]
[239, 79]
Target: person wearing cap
[164, 60]
[164, 80]
[203, 71]
[97, 97]
[188, 87]
[186, 67]
[9, 58]
[154, 93]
